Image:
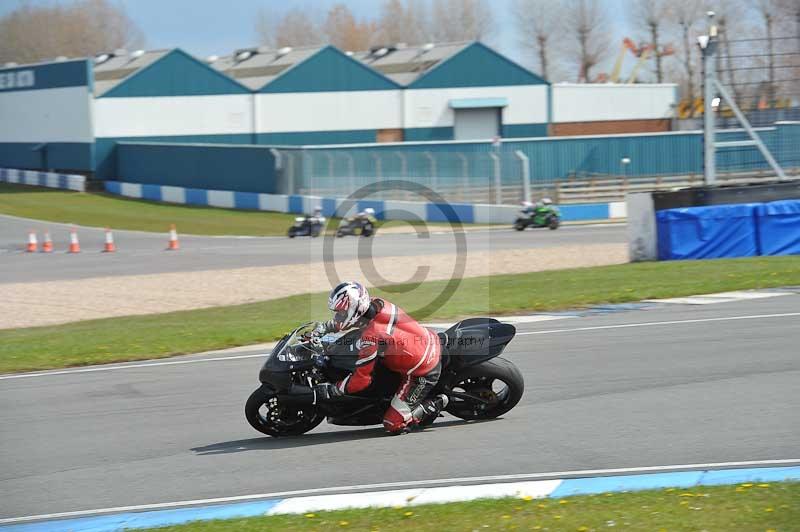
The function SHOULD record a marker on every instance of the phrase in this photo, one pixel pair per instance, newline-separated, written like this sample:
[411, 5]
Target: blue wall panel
[450, 212]
[524, 130]
[296, 204]
[245, 200]
[151, 192]
[211, 167]
[54, 155]
[196, 196]
[422, 134]
[300, 138]
[328, 207]
[589, 211]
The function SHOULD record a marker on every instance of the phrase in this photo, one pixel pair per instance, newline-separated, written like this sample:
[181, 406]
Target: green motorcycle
[541, 216]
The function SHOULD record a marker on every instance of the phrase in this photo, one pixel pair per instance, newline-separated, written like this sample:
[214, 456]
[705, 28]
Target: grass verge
[106, 210]
[745, 507]
[161, 335]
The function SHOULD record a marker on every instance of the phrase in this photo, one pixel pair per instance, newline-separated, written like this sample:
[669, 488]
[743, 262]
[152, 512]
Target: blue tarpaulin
[779, 227]
[711, 232]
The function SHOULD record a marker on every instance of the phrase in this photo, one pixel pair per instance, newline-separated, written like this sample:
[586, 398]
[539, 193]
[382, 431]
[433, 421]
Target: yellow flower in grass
[344, 523]
[505, 516]
[556, 517]
[311, 516]
[768, 510]
[747, 485]
[583, 528]
[563, 501]
[686, 495]
[541, 505]
[763, 485]
[684, 502]
[408, 514]
[527, 498]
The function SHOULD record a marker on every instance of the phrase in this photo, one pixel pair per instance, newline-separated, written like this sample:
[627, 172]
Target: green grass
[161, 335]
[748, 507]
[106, 210]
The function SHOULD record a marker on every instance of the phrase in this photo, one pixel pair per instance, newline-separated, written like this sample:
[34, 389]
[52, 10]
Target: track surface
[670, 393]
[143, 253]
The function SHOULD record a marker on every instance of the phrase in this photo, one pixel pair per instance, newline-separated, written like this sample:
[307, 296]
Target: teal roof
[328, 70]
[171, 73]
[476, 65]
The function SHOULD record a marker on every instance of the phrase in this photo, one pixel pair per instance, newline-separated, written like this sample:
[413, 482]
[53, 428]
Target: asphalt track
[672, 384]
[143, 253]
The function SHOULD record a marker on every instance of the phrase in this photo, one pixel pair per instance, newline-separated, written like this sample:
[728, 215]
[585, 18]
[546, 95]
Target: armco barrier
[384, 209]
[43, 179]
[735, 230]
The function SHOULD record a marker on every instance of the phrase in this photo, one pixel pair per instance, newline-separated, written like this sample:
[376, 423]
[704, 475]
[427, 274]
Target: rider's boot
[428, 410]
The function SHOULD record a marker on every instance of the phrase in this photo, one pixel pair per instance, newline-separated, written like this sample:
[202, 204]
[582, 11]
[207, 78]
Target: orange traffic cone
[109, 247]
[33, 244]
[74, 245]
[173, 239]
[47, 245]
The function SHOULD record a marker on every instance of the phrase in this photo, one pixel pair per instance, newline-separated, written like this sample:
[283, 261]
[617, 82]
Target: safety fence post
[526, 174]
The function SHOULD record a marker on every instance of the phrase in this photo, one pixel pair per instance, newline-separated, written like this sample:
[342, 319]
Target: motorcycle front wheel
[554, 223]
[486, 391]
[266, 415]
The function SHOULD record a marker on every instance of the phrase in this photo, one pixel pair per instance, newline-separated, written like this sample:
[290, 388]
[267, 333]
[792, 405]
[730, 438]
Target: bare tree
[84, 28]
[461, 20]
[402, 22]
[649, 17]
[344, 31]
[265, 27]
[730, 16]
[685, 15]
[536, 22]
[297, 28]
[588, 28]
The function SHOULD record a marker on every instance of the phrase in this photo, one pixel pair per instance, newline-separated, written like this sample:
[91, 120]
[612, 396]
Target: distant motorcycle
[479, 383]
[356, 226]
[543, 216]
[306, 226]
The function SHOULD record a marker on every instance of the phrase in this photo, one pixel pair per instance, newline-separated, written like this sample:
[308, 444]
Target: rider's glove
[325, 392]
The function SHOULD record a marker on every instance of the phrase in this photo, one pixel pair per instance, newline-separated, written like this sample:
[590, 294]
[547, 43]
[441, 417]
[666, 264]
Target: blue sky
[205, 27]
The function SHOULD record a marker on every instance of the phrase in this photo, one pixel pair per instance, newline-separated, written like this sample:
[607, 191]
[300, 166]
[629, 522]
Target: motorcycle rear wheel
[496, 381]
[267, 416]
[554, 223]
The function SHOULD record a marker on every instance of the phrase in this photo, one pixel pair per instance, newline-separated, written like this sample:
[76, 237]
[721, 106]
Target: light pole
[625, 161]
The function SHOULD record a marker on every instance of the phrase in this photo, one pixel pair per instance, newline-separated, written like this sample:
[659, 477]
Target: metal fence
[514, 170]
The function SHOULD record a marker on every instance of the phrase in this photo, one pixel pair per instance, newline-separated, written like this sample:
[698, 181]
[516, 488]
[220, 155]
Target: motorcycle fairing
[475, 340]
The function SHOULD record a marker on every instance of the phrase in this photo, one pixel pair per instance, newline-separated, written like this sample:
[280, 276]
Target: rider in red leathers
[405, 347]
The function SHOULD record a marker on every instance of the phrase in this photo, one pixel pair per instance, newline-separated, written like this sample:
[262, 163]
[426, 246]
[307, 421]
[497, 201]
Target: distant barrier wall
[43, 179]
[388, 209]
[198, 166]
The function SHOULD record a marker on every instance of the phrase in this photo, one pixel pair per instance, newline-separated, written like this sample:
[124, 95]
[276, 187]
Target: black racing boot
[428, 410]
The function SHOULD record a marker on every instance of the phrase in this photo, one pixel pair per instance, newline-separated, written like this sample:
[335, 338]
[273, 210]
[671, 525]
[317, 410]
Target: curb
[537, 489]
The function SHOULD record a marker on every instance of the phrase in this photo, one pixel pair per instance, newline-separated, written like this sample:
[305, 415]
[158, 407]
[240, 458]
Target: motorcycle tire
[519, 226]
[310, 417]
[478, 379]
[315, 232]
[291, 233]
[339, 233]
[553, 223]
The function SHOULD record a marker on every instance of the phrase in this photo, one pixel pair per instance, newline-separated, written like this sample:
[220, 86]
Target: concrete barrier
[43, 179]
[384, 209]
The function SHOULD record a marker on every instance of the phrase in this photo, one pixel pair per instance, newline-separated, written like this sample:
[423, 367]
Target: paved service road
[700, 388]
[143, 253]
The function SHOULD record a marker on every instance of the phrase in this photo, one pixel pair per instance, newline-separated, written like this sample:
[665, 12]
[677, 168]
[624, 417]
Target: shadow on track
[266, 443]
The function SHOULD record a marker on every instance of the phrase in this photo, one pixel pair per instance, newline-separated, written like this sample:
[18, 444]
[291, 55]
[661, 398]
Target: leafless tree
[344, 31]
[402, 22]
[33, 33]
[461, 20]
[684, 16]
[536, 22]
[588, 28]
[649, 16]
[730, 17]
[298, 28]
[264, 26]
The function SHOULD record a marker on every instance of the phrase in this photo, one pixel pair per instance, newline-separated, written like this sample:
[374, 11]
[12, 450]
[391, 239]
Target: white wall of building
[608, 101]
[329, 111]
[527, 104]
[46, 115]
[173, 115]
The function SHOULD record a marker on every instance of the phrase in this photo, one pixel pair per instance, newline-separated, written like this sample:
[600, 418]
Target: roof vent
[429, 46]
[102, 58]
[10, 64]
[212, 59]
[137, 54]
[283, 51]
[61, 58]
[244, 56]
[349, 53]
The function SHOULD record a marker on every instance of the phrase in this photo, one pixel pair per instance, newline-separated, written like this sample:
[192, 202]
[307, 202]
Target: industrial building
[70, 115]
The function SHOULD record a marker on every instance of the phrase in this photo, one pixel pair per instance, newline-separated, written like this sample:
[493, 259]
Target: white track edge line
[656, 323]
[412, 483]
